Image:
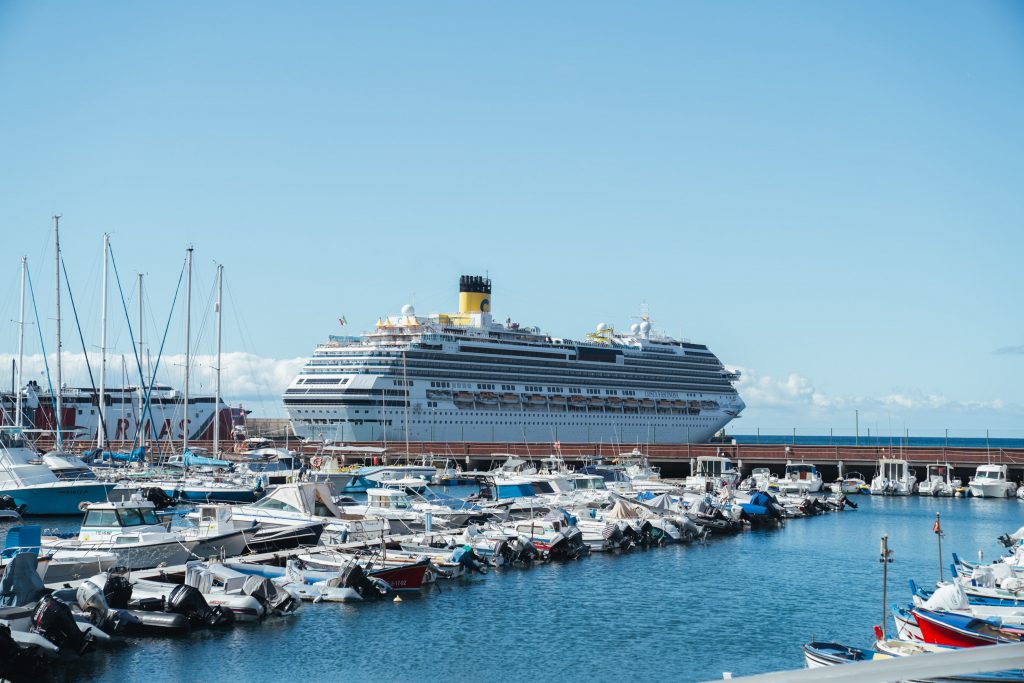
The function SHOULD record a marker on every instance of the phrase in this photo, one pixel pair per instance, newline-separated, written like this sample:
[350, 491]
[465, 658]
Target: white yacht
[893, 478]
[465, 377]
[939, 481]
[992, 481]
[800, 479]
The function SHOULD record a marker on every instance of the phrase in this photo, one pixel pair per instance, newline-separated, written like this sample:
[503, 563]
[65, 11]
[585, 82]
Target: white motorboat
[759, 480]
[312, 501]
[853, 482]
[992, 481]
[712, 473]
[893, 478]
[131, 531]
[939, 481]
[800, 479]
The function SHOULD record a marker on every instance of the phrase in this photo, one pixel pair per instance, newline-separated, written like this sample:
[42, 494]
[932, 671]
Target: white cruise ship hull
[509, 427]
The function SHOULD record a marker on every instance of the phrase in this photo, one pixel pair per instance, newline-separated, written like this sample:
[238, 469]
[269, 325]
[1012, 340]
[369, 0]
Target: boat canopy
[309, 498]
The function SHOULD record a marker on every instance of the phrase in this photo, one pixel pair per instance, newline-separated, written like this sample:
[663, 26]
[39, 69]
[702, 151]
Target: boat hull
[60, 498]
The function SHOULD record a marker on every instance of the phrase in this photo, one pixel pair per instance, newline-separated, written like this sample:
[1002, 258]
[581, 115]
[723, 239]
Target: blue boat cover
[192, 460]
[20, 584]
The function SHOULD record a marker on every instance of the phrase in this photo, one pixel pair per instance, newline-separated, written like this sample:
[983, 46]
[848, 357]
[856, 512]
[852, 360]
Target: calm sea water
[743, 604]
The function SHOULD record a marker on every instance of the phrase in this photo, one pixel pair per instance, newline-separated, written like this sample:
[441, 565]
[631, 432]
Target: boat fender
[316, 462]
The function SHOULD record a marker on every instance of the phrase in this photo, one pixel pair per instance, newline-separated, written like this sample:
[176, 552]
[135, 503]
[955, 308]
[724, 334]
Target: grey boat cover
[662, 502]
[21, 584]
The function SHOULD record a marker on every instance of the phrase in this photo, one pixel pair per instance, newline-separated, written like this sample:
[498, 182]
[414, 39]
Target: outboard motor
[189, 602]
[117, 589]
[8, 503]
[269, 595]
[16, 661]
[54, 621]
[468, 558]
[93, 602]
[356, 578]
[158, 498]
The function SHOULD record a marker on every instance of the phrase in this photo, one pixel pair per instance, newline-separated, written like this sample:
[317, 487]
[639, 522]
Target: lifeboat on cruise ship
[647, 403]
[614, 402]
[578, 401]
[709, 405]
[631, 403]
[487, 398]
[540, 399]
[510, 398]
[694, 407]
[464, 397]
[679, 405]
[664, 406]
[558, 401]
[441, 393]
[596, 402]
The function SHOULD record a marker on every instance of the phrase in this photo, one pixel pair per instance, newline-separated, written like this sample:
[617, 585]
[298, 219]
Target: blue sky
[828, 194]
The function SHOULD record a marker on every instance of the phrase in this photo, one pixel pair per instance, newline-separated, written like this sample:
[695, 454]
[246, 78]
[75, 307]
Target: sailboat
[24, 475]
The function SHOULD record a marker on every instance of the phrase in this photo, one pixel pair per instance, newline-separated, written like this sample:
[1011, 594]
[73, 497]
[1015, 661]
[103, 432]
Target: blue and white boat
[375, 476]
[25, 477]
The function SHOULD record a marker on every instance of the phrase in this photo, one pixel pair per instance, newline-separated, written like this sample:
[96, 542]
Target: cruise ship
[464, 377]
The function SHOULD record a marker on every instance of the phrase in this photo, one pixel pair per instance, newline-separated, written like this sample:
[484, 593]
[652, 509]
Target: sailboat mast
[142, 379]
[21, 345]
[58, 403]
[188, 343]
[216, 398]
[101, 433]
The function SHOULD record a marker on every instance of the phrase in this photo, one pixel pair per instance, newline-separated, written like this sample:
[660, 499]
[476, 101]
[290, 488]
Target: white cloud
[243, 375]
[795, 393]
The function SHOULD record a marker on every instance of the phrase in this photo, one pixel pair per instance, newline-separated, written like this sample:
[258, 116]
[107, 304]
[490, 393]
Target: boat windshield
[542, 487]
[100, 518]
[137, 516]
[893, 470]
[989, 475]
[711, 468]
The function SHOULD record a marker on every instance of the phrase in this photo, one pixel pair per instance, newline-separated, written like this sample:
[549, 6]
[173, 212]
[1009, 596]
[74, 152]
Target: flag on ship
[343, 321]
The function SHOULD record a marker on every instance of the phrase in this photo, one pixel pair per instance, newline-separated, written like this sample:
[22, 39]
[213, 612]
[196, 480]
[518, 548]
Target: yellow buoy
[398, 598]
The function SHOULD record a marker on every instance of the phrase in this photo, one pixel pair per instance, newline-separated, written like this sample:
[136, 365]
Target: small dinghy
[352, 584]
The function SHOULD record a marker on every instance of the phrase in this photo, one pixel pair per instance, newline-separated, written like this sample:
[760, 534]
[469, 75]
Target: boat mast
[405, 381]
[188, 346]
[142, 379]
[216, 398]
[58, 400]
[21, 345]
[101, 434]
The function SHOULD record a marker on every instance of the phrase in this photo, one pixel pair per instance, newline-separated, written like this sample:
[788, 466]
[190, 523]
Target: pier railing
[850, 456]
